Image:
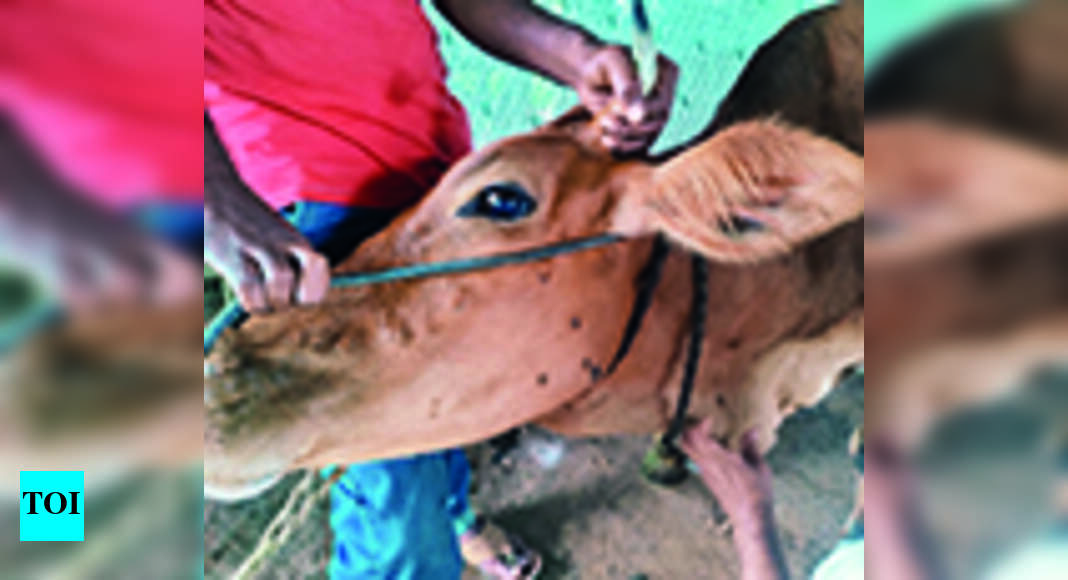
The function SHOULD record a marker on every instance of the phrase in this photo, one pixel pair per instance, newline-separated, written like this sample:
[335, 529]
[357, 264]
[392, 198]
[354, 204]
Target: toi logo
[51, 506]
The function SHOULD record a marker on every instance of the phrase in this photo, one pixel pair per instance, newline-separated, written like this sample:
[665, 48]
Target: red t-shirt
[108, 92]
[341, 101]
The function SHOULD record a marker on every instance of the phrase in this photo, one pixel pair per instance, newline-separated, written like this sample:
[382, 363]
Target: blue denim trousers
[395, 519]
[179, 223]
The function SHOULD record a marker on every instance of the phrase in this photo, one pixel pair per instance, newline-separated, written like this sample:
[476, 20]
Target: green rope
[232, 313]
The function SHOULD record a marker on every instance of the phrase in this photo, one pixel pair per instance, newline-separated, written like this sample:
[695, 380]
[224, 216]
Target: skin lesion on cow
[531, 342]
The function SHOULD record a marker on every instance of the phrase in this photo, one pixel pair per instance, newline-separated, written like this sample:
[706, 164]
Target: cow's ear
[753, 191]
[580, 124]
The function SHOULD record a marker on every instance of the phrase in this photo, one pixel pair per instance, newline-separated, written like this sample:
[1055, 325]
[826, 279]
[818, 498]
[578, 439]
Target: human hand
[261, 256]
[89, 259]
[740, 480]
[609, 86]
[899, 543]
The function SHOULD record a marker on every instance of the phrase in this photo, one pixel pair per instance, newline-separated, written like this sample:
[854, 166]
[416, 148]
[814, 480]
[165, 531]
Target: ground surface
[594, 516]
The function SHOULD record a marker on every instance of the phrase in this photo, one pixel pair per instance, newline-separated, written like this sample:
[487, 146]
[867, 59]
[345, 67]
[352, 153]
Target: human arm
[898, 546]
[262, 257]
[88, 256]
[741, 482]
[603, 75]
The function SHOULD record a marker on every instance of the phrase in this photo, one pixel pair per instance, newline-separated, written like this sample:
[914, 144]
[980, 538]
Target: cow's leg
[793, 375]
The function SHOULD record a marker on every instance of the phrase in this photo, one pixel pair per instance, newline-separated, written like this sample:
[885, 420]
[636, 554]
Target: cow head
[422, 364]
[753, 191]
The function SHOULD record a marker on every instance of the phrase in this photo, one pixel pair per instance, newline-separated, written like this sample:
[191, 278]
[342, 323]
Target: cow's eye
[501, 202]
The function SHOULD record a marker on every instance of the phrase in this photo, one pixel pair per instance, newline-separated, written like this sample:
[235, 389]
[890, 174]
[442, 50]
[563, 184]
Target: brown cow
[418, 365]
[966, 272]
[967, 263]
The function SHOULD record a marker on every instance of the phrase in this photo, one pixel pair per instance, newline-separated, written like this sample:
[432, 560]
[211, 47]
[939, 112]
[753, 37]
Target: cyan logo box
[52, 506]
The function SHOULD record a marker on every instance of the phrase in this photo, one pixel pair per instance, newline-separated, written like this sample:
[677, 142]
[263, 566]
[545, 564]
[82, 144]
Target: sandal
[498, 554]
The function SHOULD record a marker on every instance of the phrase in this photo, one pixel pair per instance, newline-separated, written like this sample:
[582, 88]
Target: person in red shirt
[101, 177]
[323, 120]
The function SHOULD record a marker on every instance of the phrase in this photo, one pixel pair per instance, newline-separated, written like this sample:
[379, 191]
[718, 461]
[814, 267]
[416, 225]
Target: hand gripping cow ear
[581, 125]
[754, 191]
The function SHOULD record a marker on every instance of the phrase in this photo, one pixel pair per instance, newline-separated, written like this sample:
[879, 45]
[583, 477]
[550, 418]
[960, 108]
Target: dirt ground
[585, 505]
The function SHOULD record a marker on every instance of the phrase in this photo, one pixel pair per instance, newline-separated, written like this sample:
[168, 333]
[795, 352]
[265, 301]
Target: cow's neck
[461, 358]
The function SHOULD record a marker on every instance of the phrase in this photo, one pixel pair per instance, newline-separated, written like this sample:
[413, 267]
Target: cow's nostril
[738, 225]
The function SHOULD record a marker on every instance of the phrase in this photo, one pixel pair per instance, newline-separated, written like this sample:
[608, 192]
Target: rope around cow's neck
[648, 282]
[232, 314]
[698, 314]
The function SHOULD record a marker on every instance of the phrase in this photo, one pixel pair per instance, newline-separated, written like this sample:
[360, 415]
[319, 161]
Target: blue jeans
[395, 519]
[179, 223]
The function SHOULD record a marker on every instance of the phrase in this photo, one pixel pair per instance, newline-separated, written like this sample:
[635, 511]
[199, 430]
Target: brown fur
[967, 286]
[418, 365]
[967, 290]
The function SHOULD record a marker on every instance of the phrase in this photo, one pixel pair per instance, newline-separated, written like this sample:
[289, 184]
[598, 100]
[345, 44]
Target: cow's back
[810, 74]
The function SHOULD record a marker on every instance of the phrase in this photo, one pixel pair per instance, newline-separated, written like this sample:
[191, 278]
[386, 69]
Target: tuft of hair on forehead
[756, 190]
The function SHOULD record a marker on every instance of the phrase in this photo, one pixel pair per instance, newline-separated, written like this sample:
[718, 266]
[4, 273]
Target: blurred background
[101, 227]
[966, 290]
